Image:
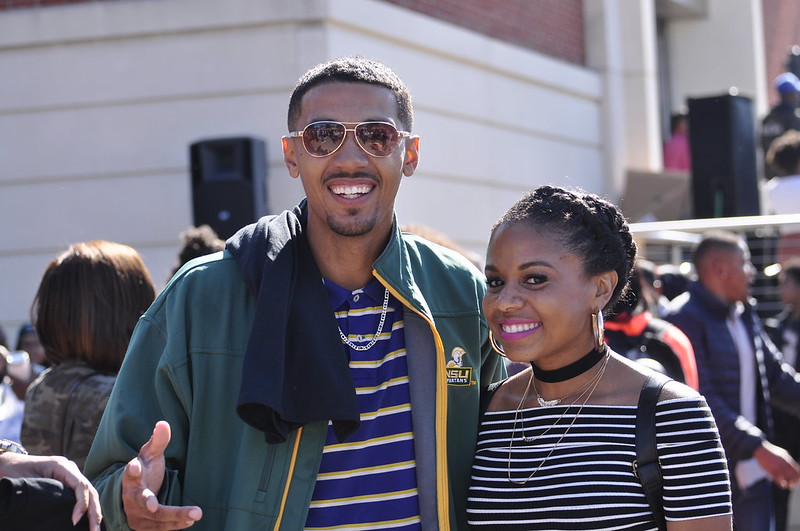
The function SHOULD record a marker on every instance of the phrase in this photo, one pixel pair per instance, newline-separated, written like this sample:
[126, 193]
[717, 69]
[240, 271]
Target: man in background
[740, 374]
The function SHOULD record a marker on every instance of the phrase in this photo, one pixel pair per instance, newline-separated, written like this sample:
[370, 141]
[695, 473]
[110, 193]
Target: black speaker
[228, 183]
[723, 145]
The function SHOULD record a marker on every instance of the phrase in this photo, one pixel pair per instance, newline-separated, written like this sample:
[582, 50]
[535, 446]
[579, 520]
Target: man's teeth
[514, 328]
[351, 192]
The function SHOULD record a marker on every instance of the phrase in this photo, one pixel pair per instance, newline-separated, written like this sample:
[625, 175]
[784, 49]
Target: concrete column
[621, 45]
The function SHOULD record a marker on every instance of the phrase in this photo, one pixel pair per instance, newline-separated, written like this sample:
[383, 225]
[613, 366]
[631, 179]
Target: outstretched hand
[141, 481]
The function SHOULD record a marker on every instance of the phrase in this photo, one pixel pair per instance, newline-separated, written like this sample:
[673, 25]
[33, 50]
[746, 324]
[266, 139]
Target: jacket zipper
[292, 464]
[443, 487]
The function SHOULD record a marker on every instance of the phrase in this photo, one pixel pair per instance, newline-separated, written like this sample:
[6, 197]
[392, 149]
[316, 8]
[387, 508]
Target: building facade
[100, 101]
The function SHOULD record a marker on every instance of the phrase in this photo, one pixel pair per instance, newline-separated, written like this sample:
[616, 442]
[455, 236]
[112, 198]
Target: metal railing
[671, 242]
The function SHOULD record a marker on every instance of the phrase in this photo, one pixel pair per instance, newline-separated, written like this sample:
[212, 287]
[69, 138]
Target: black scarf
[295, 368]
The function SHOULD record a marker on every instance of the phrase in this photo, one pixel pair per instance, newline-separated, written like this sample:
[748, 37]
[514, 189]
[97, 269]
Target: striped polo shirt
[369, 480]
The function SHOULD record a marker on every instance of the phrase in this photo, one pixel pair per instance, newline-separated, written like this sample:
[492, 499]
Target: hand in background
[15, 465]
[779, 464]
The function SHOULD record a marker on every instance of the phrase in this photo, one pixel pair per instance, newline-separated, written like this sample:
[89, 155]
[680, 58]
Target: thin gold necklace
[588, 392]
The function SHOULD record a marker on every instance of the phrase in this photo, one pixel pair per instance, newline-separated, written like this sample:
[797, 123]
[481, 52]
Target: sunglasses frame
[356, 125]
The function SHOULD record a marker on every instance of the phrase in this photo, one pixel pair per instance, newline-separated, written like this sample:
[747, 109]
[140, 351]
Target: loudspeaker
[228, 183]
[723, 145]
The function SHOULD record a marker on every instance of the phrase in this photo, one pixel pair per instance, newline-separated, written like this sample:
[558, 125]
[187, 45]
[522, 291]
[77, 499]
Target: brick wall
[781, 32]
[11, 4]
[553, 27]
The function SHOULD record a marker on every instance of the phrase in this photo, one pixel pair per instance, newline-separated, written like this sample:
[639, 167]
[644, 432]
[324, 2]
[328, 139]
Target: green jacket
[184, 366]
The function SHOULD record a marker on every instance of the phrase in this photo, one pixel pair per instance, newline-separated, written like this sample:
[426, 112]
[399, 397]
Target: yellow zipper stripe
[292, 464]
[443, 497]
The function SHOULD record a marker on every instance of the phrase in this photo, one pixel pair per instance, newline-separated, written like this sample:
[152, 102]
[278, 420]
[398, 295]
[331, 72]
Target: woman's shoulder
[69, 377]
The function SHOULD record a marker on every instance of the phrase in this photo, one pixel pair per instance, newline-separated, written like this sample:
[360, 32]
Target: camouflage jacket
[63, 407]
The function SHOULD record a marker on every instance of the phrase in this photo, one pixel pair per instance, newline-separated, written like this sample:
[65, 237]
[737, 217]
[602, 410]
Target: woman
[556, 445]
[88, 302]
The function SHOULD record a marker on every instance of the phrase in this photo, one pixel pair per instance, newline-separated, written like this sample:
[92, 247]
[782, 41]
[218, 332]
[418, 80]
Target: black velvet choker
[576, 368]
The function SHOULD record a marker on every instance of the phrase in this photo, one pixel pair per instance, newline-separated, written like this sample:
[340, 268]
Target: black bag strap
[646, 466]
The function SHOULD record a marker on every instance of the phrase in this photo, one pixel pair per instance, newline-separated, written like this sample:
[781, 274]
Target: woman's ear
[605, 284]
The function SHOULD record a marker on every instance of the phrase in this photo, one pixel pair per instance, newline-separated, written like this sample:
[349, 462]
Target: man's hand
[781, 467]
[61, 469]
[141, 482]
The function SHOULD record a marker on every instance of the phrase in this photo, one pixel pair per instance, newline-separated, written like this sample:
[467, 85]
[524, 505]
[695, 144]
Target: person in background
[87, 304]
[784, 330]
[740, 373]
[556, 448]
[44, 493]
[674, 281]
[783, 190]
[196, 242]
[25, 363]
[300, 379]
[652, 286]
[28, 340]
[783, 117]
[677, 153]
[11, 405]
[637, 334]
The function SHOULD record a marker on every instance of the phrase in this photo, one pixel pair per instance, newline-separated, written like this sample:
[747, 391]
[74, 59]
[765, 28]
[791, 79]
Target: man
[783, 117]
[46, 493]
[782, 192]
[740, 375]
[245, 354]
[784, 330]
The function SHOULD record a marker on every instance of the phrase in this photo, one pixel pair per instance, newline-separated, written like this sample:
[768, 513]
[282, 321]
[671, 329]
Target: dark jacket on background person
[787, 435]
[185, 364]
[702, 317]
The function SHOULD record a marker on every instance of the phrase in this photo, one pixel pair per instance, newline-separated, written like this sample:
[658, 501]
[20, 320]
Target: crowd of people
[329, 368]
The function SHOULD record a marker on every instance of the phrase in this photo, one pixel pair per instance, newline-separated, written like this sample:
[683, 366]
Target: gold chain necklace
[587, 392]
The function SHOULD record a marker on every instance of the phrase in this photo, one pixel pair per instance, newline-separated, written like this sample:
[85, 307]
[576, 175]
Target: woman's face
[539, 300]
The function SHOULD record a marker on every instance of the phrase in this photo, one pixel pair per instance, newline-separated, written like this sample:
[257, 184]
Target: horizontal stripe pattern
[584, 477]
[369, 480]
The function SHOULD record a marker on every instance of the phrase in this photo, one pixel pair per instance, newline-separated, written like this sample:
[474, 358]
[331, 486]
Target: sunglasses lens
[323, 138]
[377, 138]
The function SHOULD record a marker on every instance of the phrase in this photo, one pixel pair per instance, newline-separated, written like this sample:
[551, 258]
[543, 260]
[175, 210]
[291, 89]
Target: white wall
[100, 101]
[723, 49]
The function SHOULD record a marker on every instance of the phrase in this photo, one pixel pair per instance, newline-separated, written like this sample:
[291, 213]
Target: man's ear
[605, 284]
[290, 156]
[411, 156]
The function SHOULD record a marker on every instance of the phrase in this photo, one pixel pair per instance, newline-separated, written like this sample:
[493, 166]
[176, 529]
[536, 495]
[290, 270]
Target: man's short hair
[355, 69]
[715, 241]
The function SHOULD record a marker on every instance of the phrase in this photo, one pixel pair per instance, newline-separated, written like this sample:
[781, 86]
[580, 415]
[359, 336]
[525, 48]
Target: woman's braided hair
[585, 224]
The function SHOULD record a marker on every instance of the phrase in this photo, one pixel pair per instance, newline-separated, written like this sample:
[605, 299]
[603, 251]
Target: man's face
[350, 193]
[737, 273]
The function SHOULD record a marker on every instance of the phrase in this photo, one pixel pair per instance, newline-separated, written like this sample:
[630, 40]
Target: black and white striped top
[587, 482]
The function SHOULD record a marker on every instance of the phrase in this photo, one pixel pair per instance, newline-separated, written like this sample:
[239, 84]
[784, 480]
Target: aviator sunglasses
[378, 139]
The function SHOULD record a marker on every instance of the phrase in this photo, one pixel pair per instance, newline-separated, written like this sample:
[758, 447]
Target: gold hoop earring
[497, 348]
[598, 331]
